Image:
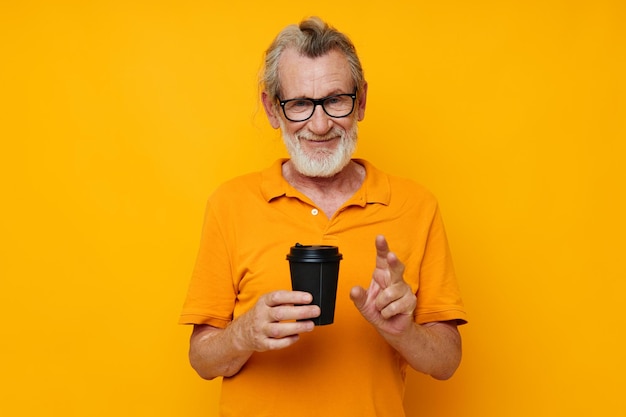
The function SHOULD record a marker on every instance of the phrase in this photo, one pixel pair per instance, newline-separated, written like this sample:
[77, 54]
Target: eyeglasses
[301, 109]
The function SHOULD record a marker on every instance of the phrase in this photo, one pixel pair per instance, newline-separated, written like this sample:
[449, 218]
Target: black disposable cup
[315, 269]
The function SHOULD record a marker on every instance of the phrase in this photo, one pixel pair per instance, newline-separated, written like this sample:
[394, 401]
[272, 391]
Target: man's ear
[270, 110]
[361, 103]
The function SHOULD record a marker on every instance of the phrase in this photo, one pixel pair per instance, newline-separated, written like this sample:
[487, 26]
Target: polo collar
[375, 188]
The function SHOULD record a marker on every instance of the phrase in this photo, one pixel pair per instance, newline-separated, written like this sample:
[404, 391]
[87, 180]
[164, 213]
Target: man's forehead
[325, 74]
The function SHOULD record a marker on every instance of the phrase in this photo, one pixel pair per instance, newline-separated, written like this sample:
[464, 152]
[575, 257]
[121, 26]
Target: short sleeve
[211, 295]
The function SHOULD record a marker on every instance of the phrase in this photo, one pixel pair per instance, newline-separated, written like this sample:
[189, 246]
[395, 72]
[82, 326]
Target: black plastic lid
[314, 253]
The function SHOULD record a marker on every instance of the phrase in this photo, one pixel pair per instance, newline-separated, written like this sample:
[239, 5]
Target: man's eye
[300, 103]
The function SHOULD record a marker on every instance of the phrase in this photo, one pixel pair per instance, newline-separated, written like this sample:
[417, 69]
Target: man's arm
[268, 325]
[388, 304]
[432, 348]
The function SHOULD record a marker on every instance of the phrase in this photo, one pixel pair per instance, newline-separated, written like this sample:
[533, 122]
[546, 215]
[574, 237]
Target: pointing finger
[382, 250]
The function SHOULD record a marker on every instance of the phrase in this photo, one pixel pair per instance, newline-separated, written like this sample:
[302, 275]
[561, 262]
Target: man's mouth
[320, 139]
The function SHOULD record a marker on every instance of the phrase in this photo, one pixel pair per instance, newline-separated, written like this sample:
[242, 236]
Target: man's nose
[320, 123]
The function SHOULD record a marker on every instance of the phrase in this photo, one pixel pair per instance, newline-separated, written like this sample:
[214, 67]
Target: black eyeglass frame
[318, 102]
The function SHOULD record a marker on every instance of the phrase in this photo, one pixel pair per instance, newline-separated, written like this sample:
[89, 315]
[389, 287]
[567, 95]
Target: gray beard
[322, 163]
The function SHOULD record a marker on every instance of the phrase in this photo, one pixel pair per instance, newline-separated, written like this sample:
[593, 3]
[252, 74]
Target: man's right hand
[269, 325]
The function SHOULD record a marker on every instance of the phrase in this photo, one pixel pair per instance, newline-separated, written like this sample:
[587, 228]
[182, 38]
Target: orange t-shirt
[346, 368]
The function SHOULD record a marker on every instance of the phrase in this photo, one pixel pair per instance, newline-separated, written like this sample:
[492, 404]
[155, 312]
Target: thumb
[358, 295]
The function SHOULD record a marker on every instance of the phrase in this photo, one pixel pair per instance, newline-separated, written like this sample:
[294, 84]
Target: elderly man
[249, 328]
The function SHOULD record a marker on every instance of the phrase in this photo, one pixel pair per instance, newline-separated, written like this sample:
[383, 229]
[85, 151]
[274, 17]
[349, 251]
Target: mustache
[333, 133]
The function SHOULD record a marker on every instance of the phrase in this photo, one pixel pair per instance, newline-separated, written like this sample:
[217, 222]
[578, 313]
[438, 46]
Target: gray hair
[311, 38]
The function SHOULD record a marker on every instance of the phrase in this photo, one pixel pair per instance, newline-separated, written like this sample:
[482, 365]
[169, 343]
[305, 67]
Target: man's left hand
[389, 303]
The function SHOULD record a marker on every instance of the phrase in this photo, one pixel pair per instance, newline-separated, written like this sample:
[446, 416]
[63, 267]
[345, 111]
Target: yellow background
[118, 118]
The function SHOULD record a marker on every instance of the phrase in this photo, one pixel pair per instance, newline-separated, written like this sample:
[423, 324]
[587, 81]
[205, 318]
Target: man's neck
[328, 193]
